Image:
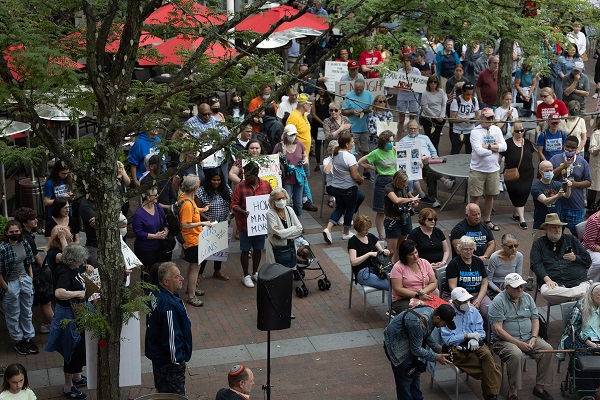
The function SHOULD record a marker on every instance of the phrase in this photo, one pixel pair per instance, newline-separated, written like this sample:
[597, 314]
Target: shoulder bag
[512, 174]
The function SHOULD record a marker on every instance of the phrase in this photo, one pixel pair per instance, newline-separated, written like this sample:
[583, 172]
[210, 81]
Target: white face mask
[280, 203]
[291, 138]
[123, 231]
[266, 96]
[464, 307]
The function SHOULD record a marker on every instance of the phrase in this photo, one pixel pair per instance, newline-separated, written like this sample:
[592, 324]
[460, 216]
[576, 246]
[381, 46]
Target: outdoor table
[60, 115]
[456, 166]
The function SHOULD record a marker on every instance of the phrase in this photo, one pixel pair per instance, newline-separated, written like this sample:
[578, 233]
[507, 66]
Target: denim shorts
[394, 228]
[378, 191]
[248, 243]
[407, 106]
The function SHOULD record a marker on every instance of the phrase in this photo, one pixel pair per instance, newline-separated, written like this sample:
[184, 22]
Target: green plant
[3, 221]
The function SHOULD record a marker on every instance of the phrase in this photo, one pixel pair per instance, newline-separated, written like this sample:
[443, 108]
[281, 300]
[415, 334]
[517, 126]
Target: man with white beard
[560, 262]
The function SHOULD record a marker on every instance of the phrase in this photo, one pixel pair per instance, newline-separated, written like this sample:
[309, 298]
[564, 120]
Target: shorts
[394, 228]
[378, 191]
[191, 255]
[248, 243]
[481, 183]
[411, 106]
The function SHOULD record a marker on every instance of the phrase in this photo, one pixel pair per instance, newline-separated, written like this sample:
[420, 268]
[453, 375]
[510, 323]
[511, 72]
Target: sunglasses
[512, 246]
[381, 101]
[519, 130]
[544, 96]
[206, 114]
[333, 110]
[432, 219]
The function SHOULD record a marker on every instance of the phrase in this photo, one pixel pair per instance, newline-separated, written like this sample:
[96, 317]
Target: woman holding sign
[216, 195]
[191, 226]
[283, 227]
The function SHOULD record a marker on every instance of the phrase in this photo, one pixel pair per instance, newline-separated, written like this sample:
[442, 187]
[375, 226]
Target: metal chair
[565, 309]
[580, 229]
[432, 365]
[440, 275]
[366, 291]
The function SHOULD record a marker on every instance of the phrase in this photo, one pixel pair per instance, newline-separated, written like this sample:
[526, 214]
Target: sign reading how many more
[212, 239]
[257, 219]
[416, 83]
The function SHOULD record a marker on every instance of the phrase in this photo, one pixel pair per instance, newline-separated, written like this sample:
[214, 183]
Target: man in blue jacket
[168, 332]
[143, 146]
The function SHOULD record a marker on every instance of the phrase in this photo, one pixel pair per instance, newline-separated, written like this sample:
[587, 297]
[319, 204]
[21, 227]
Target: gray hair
[163, 270]
[492, 57]
[465, 240]
[74, 255]
[359, 81]
[507, 236]
[148, 191]
[587, 303]
[331, 146]
[275, 192]
[189, 183]
[336, 104]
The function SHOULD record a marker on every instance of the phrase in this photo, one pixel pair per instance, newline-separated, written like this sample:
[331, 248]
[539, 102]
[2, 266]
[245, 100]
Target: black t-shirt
[87, 211]
[50, 259]
[389, 207]
[68, 279]
[73, 226]
[362, 249]
[469, 276]
[429, 248]
[481, 233]
[226, 394]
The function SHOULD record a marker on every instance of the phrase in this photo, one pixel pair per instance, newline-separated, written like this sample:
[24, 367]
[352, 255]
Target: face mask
[123, 231]
[569, 154]
[548, 175]
[266, 96]
[237, 103]
[464, 307]
[467, 97]
[389, 146]
[216, 110]
[292, 138]
[573, 112]
[280, 203]
[15, 237]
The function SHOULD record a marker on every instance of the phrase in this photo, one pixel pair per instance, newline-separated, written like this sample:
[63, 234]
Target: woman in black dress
[320, 112]
[518, 190]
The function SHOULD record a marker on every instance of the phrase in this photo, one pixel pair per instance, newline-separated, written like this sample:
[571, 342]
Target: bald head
[546, 169]
[204, 112]
[472, 214]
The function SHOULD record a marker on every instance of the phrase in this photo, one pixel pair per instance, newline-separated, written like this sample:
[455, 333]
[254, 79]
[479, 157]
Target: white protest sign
[334, 70]
[408, 158]
[383, 126]
[257, 220]
[211, 161]
[372, 85]
[212, 239]
[270, 171]
[223, 254]
[130, 259]
[416, 83]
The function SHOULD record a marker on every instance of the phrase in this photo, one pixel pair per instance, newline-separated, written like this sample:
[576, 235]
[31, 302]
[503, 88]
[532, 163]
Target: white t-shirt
[484, 160]
[466, 110]
[285, 107]
[341, 170]
[500, 113]
[329, 176]
[24, 394]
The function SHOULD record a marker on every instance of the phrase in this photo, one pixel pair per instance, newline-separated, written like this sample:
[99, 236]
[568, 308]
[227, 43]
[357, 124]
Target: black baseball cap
[447, 314]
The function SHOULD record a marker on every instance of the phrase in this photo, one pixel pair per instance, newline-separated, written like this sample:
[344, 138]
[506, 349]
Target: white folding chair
[366, 291]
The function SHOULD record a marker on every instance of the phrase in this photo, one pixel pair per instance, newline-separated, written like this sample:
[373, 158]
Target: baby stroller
[305, 252]
[583, 374]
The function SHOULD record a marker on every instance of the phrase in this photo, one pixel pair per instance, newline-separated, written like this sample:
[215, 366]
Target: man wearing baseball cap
[484, 179]
[560, 263]
[407, 338]
[353, 73]
[515, 326]
[470, 353]
[576, 85]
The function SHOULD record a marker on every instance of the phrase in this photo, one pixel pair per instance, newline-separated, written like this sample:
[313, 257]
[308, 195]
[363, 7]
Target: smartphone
[569, 249]
[565, 186]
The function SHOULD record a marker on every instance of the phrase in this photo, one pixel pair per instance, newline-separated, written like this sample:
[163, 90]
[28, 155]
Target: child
[16, 384]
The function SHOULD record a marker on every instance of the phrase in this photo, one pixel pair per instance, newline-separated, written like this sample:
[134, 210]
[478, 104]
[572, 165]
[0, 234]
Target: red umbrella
[13, 54]
[77, 39]
[173, 14]
[261, 23]
[171, 51]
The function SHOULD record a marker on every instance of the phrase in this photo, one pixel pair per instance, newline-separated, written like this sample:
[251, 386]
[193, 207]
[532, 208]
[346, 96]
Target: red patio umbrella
[77, 39]
[171, 51]
[261, 23]
[13, 53]
[173, 14]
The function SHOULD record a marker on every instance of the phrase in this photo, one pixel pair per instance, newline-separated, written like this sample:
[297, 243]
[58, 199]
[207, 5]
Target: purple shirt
[143, 223]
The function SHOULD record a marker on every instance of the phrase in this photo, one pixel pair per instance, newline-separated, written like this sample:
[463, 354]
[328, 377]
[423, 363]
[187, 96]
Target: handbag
[167, 244]
[285, 255]
[381, 265]
[512, 174]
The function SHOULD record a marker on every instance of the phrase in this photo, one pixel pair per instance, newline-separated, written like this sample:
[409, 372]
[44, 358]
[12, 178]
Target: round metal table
[456, 166]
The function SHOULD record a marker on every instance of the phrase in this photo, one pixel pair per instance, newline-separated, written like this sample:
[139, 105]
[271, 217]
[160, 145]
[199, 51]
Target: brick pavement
[346, 371]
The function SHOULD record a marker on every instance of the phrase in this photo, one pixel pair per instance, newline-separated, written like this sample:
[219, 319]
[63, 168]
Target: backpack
[265, 141]
[283, 162]
[172, 216]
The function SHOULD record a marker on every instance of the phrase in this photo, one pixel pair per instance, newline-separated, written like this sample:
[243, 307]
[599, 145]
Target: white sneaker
[595, 96]
[348, 236]
[449, 184]
[248, 281]
[327, 236]
[501, 187]
[255, 276]
[45, 328]
[436, 204]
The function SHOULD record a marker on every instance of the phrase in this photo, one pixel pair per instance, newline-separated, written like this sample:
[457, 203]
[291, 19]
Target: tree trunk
[505, 71]
[101, 183]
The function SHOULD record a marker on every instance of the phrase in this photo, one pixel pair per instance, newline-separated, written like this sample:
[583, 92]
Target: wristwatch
[489, 146]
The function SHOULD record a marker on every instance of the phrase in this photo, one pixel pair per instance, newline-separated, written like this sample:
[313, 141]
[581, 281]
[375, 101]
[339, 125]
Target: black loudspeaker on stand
[274, 303]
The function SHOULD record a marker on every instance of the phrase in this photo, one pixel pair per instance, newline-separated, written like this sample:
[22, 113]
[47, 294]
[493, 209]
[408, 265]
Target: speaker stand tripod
[267, 387]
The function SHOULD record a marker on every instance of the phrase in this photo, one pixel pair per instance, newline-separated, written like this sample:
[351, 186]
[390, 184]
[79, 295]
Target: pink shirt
[410, 279]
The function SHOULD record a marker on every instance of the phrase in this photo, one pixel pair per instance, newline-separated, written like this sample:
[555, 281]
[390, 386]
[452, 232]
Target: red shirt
[370, 59]
[240, 192]
[545, 111]
[487, 82]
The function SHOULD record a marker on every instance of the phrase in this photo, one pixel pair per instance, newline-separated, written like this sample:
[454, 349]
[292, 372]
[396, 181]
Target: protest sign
[416, 83]
[269, 169]
[257, 220]
[408, 158]
[223, 254]
[130, 259]
[212, 239]
[372, 85]
[334, 70]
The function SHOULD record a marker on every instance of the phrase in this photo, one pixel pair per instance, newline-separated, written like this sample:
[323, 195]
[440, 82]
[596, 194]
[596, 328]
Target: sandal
[196, 302]
[492, 226]
[199, 292]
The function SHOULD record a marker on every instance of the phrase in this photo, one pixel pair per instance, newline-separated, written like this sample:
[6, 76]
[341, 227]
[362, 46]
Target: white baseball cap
[460, 294]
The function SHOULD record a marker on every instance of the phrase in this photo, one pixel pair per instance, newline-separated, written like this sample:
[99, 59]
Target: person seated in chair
[515, 326]
[584, 321]
[560, 263]
[479, 231]
[467, 345]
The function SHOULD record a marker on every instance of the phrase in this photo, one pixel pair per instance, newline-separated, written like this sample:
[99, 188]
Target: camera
[406, 210]
[417, 367]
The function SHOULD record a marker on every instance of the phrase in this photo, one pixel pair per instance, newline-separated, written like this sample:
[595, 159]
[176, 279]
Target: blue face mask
[548, 175]
[389, 146]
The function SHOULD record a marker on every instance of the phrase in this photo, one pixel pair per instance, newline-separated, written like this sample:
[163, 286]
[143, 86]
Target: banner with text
[372, 85]
[408, 158]
[257, 220]
[334, 70]
[212, 239]
[223, 254]
[416, 83]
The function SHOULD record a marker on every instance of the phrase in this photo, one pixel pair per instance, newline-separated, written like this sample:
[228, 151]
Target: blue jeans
[346, 202]
[364, 277]
[407, 388]
[295, 192]
[17, 304]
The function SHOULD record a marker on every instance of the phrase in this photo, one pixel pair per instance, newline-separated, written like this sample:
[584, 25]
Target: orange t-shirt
[189, 213]
[253, 105]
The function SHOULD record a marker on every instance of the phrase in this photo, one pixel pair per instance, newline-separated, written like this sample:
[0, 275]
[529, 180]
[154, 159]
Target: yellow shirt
[301, 123]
